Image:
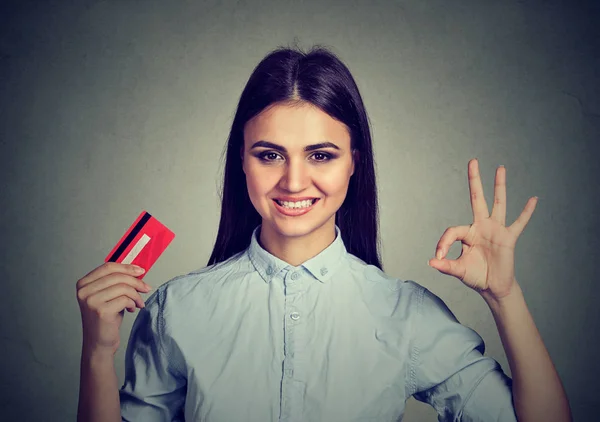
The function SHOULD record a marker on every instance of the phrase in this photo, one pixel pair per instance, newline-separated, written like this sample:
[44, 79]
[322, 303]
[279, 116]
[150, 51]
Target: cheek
[259, 182]
[334, 183]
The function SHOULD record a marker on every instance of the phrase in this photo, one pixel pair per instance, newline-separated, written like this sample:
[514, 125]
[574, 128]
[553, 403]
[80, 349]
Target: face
[291, 166]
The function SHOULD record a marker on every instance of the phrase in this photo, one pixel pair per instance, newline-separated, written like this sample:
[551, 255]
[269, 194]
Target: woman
[293, 318]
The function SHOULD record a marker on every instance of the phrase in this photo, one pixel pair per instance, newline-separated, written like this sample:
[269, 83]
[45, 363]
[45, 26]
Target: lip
[294, 213]
[292, 199]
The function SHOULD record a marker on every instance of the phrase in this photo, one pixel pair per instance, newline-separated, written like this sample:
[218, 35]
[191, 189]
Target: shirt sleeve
[154, 387]
[449, 371]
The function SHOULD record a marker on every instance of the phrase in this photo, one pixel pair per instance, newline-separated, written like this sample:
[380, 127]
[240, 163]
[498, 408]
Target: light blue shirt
[255, 339]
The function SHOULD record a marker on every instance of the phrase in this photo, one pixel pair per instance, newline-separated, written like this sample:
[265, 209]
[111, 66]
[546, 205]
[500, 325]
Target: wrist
[497, 303]
[97, 355]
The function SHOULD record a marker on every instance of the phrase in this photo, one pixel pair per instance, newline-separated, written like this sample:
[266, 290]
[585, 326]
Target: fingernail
[138, 270]
[438, 255]
[148, 287]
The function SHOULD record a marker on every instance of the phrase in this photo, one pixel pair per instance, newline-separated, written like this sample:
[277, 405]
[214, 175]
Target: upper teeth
[299, 204]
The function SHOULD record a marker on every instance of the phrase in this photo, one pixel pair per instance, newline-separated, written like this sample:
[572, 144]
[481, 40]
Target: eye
[269, 154]
[327, 157]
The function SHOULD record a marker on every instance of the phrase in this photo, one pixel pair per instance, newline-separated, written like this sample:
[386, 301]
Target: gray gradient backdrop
[111, 107]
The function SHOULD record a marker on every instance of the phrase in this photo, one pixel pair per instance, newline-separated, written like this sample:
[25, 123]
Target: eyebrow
[280, 148]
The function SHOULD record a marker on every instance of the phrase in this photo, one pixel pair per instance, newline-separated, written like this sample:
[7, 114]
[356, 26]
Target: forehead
[296, 124]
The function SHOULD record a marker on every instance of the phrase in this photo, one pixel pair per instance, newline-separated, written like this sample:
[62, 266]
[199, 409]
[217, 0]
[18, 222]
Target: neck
[295, 250]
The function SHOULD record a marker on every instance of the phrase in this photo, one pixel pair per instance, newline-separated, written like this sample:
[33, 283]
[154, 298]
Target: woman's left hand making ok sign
[486, 263]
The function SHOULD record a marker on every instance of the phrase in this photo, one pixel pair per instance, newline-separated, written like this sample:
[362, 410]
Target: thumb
[446, 266]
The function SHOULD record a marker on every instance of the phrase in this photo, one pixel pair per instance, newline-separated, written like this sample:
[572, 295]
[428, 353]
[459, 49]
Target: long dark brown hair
[320, 78]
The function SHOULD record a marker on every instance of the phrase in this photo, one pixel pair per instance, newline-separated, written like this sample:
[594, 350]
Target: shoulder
[187, 289]
[393, 296]
[373, 275]
[409, 297]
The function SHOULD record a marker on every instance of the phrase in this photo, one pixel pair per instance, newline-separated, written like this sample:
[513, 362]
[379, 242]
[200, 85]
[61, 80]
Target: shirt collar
[321, 266]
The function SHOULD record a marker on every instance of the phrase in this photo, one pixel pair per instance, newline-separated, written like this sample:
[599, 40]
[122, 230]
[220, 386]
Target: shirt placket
[293, 379]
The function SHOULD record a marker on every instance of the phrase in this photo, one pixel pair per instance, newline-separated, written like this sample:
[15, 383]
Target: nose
[296, 175]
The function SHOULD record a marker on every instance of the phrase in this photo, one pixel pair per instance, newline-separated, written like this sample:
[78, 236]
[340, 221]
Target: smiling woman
[293, 317]
[299, 192]
[300, 130]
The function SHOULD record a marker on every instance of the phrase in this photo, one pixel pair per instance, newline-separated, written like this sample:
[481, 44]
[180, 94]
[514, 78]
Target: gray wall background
[111, 107]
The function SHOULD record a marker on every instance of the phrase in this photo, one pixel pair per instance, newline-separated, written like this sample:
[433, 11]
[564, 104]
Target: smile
[295, 208]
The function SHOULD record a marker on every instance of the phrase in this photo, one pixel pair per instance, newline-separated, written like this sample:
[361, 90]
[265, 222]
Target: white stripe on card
[135, 251]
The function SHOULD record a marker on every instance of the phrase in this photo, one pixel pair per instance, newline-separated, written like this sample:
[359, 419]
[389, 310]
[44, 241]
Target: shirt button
[289, 372]
[295, 316]
[269, 271]
[323, 271]
[295, 276]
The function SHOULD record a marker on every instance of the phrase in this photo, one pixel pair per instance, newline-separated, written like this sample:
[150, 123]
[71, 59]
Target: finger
[106, 269]
[480, 209]
[517, 227]
[111, 280]
[499, 208]
[119, 304]
[99, 298]
[451, 235]
[453, 267]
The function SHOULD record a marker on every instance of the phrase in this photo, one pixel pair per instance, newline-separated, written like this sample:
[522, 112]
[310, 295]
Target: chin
[291, 229]
[296, 228]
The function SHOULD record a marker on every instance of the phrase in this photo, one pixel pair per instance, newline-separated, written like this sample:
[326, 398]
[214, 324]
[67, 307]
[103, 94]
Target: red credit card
[142, 243]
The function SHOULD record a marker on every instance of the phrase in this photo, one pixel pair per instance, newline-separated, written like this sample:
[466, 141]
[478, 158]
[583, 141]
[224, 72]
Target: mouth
[294, 209]
[296, 205]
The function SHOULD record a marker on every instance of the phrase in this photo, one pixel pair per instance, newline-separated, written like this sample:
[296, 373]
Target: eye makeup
[263, 156]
